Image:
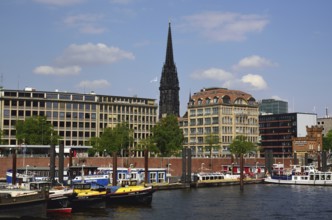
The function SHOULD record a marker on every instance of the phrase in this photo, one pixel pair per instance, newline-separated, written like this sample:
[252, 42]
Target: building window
[215, 111]
[226, 99]
[199, 102]
[215, 100]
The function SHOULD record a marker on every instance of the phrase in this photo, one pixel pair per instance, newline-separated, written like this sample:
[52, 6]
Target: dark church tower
[169, 102]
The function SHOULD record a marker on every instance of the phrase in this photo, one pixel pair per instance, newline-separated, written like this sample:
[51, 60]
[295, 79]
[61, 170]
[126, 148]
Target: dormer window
[226, 99]
[215, 100]
[199, 102]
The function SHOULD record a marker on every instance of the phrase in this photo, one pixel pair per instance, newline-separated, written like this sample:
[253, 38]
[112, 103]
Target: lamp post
[283, 155]
[104, 152]
[168, 171]
[256, 169]
[82, 173]
[26, 169]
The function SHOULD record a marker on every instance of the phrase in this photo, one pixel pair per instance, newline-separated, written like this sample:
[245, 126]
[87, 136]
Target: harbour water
[257, 201]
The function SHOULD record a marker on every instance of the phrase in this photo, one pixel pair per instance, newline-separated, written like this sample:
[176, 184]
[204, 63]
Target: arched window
[226, 99]
[240, 102]
[207, 101]
[215, 100]
[199, 102]
[251, 101]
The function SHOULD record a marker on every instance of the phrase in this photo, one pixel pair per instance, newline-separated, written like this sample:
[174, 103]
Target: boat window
[317, 177]
[322, 177]
[161, 177]
[311, 177]
[86, 186]
[153, 177]
[328, 177]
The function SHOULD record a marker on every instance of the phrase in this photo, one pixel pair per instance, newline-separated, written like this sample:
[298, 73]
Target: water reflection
[260, 201]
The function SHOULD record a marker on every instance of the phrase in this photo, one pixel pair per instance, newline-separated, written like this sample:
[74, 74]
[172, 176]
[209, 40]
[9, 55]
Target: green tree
[148, 144]
[327, 141]
[168, 136]
[94, 142]
[212, 141]
[240, 146]
[36, 130]
[113, 139]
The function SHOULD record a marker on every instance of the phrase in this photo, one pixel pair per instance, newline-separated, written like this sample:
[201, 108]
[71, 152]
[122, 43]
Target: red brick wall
[213, 164]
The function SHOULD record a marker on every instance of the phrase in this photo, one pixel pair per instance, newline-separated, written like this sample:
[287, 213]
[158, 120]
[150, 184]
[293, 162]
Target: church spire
[169, 102]
[169, 51]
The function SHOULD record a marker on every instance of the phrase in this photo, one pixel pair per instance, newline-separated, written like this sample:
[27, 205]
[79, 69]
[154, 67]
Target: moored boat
[58, 196]
[203, 179]
[88, 195]
[299, 175]
[19, 203]
[129, 192]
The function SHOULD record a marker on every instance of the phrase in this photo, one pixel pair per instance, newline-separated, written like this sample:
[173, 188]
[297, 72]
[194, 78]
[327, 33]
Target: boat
[129, 192]
[59, 195]
[33, 173]
[101, 179]
[104, 175]
[21, 203]
[298, 175]
[203, 179]
[88, 195]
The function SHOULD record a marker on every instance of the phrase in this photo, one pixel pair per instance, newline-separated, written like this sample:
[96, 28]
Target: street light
[168, 171]
[82, 173]
[26, 169]
[256, 169]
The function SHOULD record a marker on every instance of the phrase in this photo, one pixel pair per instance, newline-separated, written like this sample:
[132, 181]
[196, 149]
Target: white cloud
[213, 73]
[227, 26]
[255, 81]
[254, 61]
[230, 80]
[278, 98]
[85, 23]
[49, 70]
[59, 2]
[95, 84]
[92, 54]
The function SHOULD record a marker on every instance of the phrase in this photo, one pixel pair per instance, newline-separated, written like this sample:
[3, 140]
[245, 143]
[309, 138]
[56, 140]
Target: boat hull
[34, 206]
[299, 182]
[143, 197]
[59, 204]
[88, 202]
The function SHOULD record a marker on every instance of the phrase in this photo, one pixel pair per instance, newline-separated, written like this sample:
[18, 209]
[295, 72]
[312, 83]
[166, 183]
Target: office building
[277, 131]
[76, 117]
[220, 114]
[272, 106]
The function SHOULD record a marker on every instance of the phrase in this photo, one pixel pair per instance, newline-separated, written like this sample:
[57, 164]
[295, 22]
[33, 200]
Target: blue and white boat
[155, 175]
[299, 175]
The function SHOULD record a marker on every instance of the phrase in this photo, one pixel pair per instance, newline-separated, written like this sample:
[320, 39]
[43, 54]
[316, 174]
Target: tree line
[166, 138]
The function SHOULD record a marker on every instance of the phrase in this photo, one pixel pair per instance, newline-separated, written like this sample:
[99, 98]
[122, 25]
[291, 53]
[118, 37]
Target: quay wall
[198, 164]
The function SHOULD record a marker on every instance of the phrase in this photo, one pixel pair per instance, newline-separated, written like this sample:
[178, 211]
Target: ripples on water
[261, 201]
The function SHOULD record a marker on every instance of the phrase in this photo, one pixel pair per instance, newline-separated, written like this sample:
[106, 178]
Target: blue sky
[270, 49]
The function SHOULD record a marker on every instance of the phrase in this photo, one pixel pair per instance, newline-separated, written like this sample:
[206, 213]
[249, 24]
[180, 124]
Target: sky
[269, 49]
